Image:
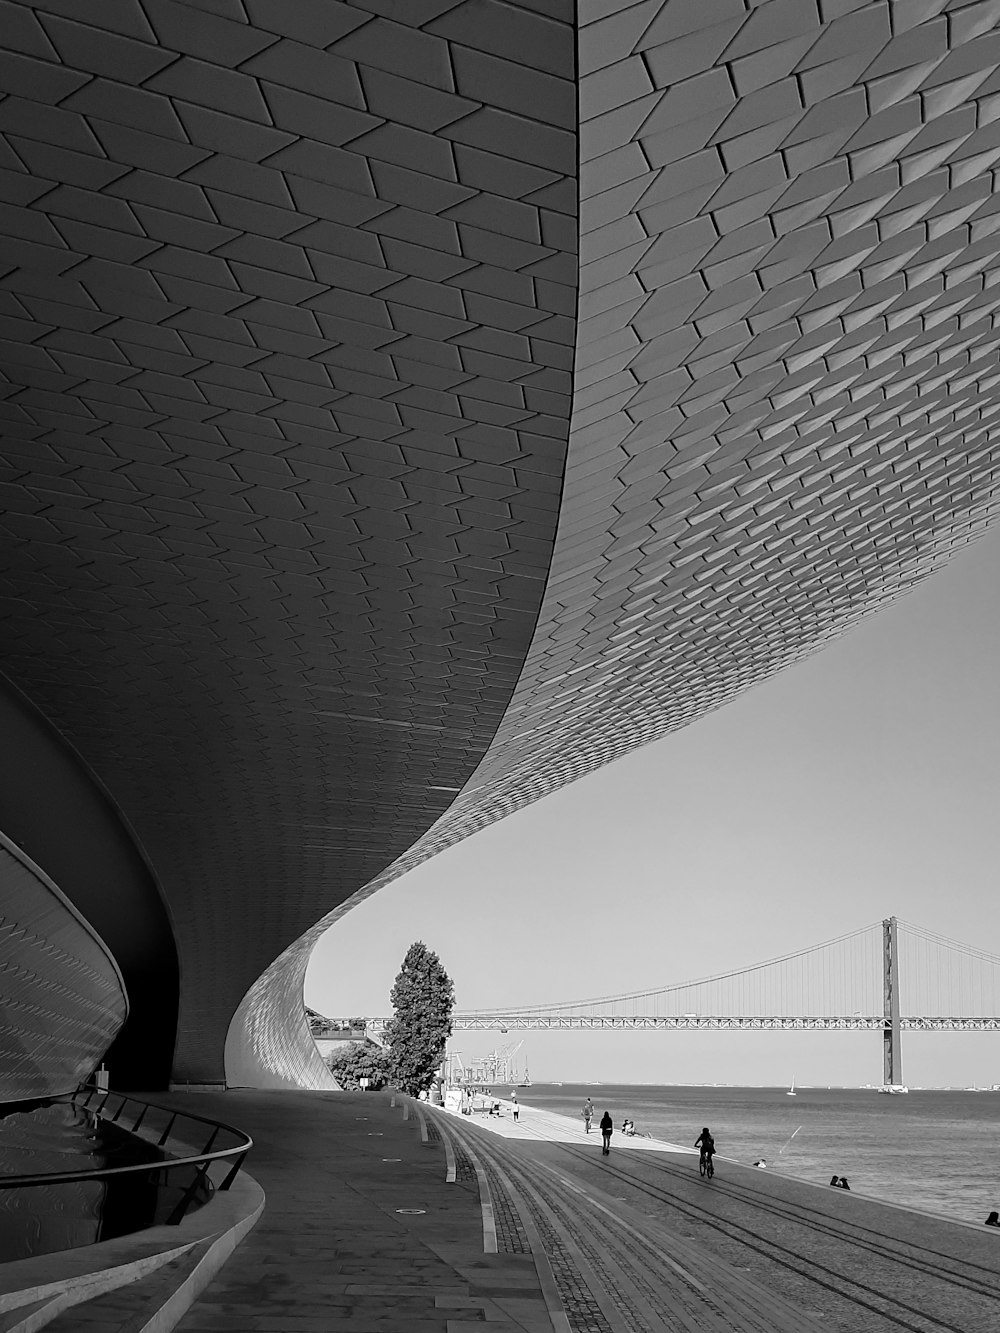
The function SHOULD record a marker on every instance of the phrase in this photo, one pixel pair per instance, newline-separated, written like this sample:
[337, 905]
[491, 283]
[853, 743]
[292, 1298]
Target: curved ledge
[43, 1286]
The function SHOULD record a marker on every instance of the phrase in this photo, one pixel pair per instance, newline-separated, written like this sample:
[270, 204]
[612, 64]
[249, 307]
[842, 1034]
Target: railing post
[177, 1215]
[234, 1172]
[166, 1133]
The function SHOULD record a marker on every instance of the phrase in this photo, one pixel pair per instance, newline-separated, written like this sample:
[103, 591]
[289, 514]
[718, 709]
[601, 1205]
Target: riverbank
[924, 1151]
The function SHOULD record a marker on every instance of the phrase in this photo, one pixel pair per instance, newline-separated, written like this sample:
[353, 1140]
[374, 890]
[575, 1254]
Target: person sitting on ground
[628, 1127]
[993, 1220]
[843, 1183]
[835, 1181]
[761, 1162]
[707, 1144]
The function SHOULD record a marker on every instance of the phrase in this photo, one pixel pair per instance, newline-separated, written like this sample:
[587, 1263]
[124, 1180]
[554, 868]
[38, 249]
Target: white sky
[860, 784]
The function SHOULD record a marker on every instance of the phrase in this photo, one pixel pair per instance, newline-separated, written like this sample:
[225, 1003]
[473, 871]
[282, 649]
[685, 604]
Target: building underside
[409, 407]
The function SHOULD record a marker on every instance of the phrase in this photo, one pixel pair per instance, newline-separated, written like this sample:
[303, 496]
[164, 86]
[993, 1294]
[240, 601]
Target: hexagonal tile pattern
[303, 305]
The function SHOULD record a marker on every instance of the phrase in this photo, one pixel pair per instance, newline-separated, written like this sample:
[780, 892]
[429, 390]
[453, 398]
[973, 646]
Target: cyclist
[707, 1145]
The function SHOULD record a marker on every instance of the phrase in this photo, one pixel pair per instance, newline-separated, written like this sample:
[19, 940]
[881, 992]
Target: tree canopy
[422, 998]
[357, 1060]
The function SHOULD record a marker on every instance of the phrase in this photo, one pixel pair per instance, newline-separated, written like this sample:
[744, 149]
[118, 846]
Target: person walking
[607, 1125]
[513, 1104]
[588, 1113]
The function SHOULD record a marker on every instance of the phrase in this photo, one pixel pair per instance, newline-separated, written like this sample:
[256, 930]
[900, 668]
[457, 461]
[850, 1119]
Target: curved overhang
[287, 400]
[303, 338]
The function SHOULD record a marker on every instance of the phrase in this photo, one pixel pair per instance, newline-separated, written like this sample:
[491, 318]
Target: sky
[859, 784]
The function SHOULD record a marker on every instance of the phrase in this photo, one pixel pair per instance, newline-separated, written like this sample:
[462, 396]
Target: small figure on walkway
[513, 1104]
[628, 1127]
[834, 1181]
[839, 1182]
[607, 1126]
[707, 1145]
[762, 1163]
[993, 1220]
[588, 1113]
[843, 1183]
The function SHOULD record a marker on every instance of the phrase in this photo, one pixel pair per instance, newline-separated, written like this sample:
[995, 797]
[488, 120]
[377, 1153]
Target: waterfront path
[528, 1227]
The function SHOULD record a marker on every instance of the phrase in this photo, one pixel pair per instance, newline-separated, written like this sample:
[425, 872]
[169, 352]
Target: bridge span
[858, 982]
[505, 1022]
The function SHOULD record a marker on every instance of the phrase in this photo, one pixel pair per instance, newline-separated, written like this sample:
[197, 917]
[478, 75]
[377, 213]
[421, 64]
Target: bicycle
[705, 1167]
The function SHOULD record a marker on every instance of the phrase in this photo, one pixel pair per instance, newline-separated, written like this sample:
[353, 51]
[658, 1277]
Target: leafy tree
[422, 998]
[357, 1060]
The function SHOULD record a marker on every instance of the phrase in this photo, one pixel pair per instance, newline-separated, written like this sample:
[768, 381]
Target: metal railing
[145, 1118]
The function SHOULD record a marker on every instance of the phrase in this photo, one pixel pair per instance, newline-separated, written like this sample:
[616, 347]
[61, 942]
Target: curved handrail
[202, 1160]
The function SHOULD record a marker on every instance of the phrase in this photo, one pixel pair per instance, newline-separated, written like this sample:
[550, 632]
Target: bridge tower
[892, 1063]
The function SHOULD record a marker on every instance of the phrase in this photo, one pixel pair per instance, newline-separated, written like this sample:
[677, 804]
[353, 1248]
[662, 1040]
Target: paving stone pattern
[579, 1303]
[751, 1250]
[332, 1250]
[511, 1238]
[465, 1173]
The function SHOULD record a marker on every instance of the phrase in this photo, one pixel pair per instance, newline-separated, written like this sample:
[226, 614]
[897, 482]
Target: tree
[422, 998]
[357, 1060]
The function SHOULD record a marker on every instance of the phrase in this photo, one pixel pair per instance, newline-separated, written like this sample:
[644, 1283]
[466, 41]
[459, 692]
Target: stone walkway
[840, 1260]
[385, 1217]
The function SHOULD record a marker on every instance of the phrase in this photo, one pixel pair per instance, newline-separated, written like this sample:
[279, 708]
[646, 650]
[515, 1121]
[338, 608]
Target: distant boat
[894, 1088]
[791, 1091]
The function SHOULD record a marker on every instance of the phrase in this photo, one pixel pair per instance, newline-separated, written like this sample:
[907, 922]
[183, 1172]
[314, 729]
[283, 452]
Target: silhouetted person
[835, 1181]
[843, 1183]
[993, 1220]
[707, 1145]
[607, 1125]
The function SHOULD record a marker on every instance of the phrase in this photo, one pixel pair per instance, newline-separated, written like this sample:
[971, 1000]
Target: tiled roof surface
[294, 334]
[288, 316]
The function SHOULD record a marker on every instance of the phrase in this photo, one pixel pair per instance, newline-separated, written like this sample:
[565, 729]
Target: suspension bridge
[889, 976]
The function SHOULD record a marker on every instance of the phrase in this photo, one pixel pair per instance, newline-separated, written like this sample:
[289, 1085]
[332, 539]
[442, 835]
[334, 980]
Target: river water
[934, 1150]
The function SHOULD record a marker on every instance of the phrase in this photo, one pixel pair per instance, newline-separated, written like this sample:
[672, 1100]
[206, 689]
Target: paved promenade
[385, 1217]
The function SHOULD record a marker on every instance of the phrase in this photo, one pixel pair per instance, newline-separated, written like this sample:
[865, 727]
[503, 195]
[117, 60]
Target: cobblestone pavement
[616, 1272]
[746, 1249]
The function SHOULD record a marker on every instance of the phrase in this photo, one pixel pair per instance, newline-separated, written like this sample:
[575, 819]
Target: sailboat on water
[791, 1091]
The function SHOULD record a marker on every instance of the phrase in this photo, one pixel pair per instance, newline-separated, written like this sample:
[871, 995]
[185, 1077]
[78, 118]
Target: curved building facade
[410, 407]
[64, 1001]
